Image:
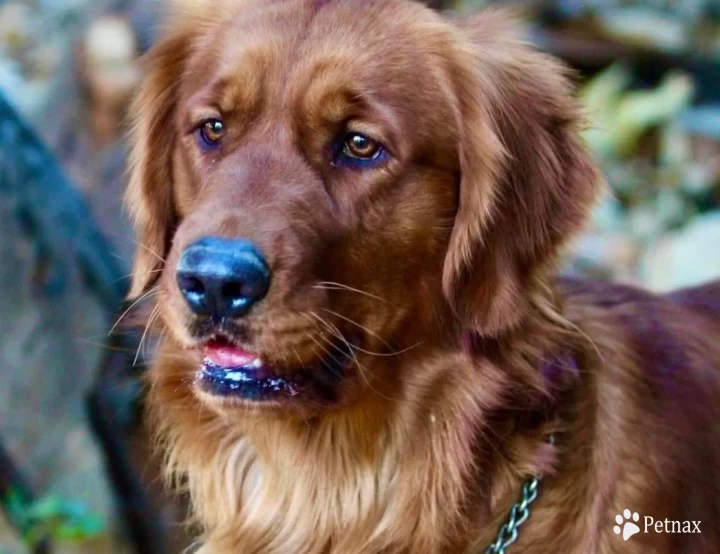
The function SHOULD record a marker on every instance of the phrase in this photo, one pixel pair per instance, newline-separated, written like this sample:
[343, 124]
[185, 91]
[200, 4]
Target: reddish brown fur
[439, 264]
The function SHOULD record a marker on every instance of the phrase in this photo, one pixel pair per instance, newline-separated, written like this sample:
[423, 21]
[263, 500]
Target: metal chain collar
[519, 514]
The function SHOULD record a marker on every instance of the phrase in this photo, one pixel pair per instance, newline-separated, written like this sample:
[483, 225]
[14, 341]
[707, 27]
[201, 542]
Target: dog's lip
[231, 371]
[248, 382]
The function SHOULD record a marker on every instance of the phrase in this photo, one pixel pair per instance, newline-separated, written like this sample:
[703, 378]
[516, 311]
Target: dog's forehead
[292, 31]
[287, 46]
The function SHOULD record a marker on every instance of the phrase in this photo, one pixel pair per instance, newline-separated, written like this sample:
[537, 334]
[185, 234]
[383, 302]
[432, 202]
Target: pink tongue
[224, 355]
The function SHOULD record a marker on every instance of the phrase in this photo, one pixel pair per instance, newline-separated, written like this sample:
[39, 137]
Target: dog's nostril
[232, 290]
[194, 285]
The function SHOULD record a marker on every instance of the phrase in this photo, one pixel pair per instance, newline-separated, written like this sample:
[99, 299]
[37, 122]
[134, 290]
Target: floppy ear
[149, 196]
[527, 182]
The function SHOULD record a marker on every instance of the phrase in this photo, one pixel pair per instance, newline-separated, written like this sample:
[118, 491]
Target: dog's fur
[436, 267]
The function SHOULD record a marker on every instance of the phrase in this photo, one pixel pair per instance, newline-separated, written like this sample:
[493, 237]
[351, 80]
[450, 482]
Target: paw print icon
[627, 524]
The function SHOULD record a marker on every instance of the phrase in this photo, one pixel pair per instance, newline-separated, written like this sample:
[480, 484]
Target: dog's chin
[231, 376]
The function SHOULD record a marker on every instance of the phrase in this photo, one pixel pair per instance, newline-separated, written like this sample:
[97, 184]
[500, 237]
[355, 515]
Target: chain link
[519, 514]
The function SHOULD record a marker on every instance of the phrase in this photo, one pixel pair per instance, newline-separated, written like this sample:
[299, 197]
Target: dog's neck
[422, 471]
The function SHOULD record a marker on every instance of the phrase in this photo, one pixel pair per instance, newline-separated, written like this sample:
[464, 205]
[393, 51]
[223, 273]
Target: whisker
[148, 294]
[141, 245]
[145, 332]
[329, 367]
[102, 345]
[353, 322]
[150, 272]
[331, 285]
[154, 315]
[161, 335]
[324, 349]
[361, 368]
[386, 354]
[334, 329]
[336, 333]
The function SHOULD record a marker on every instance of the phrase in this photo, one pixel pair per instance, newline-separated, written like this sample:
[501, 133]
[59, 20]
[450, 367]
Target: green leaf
[639, 111]
[601, 96]
[54, 517]
[619, 118]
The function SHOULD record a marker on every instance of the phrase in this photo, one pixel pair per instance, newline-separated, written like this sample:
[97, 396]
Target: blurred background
[76, 474]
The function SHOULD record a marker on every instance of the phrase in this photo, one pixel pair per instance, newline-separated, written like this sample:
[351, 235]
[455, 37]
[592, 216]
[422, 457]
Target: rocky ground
[70, 67]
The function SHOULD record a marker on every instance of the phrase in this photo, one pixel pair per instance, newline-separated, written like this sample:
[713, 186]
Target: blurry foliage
[666, 25]
[52, 518]
[622, 116]
[661, 156]
[669, 25]
[646, 151]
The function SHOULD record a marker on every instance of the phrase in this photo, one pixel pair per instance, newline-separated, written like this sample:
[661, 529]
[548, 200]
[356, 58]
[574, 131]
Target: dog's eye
[211, 132]
[358, 151]
[361, 147]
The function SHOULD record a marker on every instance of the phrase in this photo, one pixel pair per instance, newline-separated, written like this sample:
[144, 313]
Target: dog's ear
[149, 197]
[527, 183]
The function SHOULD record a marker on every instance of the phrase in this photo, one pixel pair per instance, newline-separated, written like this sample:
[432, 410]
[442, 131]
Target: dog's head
[320, 185]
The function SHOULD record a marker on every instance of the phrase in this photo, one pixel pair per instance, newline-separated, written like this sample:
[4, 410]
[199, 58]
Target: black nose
[222, 277]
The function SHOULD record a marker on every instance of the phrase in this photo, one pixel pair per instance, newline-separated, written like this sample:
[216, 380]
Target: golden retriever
[349, 213]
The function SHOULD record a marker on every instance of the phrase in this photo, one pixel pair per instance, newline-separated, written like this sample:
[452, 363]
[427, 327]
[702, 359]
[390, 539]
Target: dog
[349, 214]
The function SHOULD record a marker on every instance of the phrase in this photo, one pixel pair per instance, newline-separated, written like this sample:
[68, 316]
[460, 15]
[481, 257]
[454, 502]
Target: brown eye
[212, 132]
[361, 147]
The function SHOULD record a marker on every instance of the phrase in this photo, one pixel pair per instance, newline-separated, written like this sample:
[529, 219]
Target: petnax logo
[629, 525]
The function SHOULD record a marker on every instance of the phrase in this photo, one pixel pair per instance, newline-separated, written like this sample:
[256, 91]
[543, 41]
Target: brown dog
[349, 211]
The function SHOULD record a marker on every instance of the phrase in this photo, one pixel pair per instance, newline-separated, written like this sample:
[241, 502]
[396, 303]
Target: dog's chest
[332, 505]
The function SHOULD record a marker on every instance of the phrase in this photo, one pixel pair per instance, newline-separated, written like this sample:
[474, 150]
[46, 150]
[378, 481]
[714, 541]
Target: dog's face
[317, 184]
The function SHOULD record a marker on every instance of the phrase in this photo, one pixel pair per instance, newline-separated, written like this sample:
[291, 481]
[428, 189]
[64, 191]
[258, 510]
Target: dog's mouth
[231, 371]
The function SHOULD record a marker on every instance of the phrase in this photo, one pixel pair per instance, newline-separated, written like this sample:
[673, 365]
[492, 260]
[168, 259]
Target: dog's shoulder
[650, 368]
[702, 300]
[662, 339]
